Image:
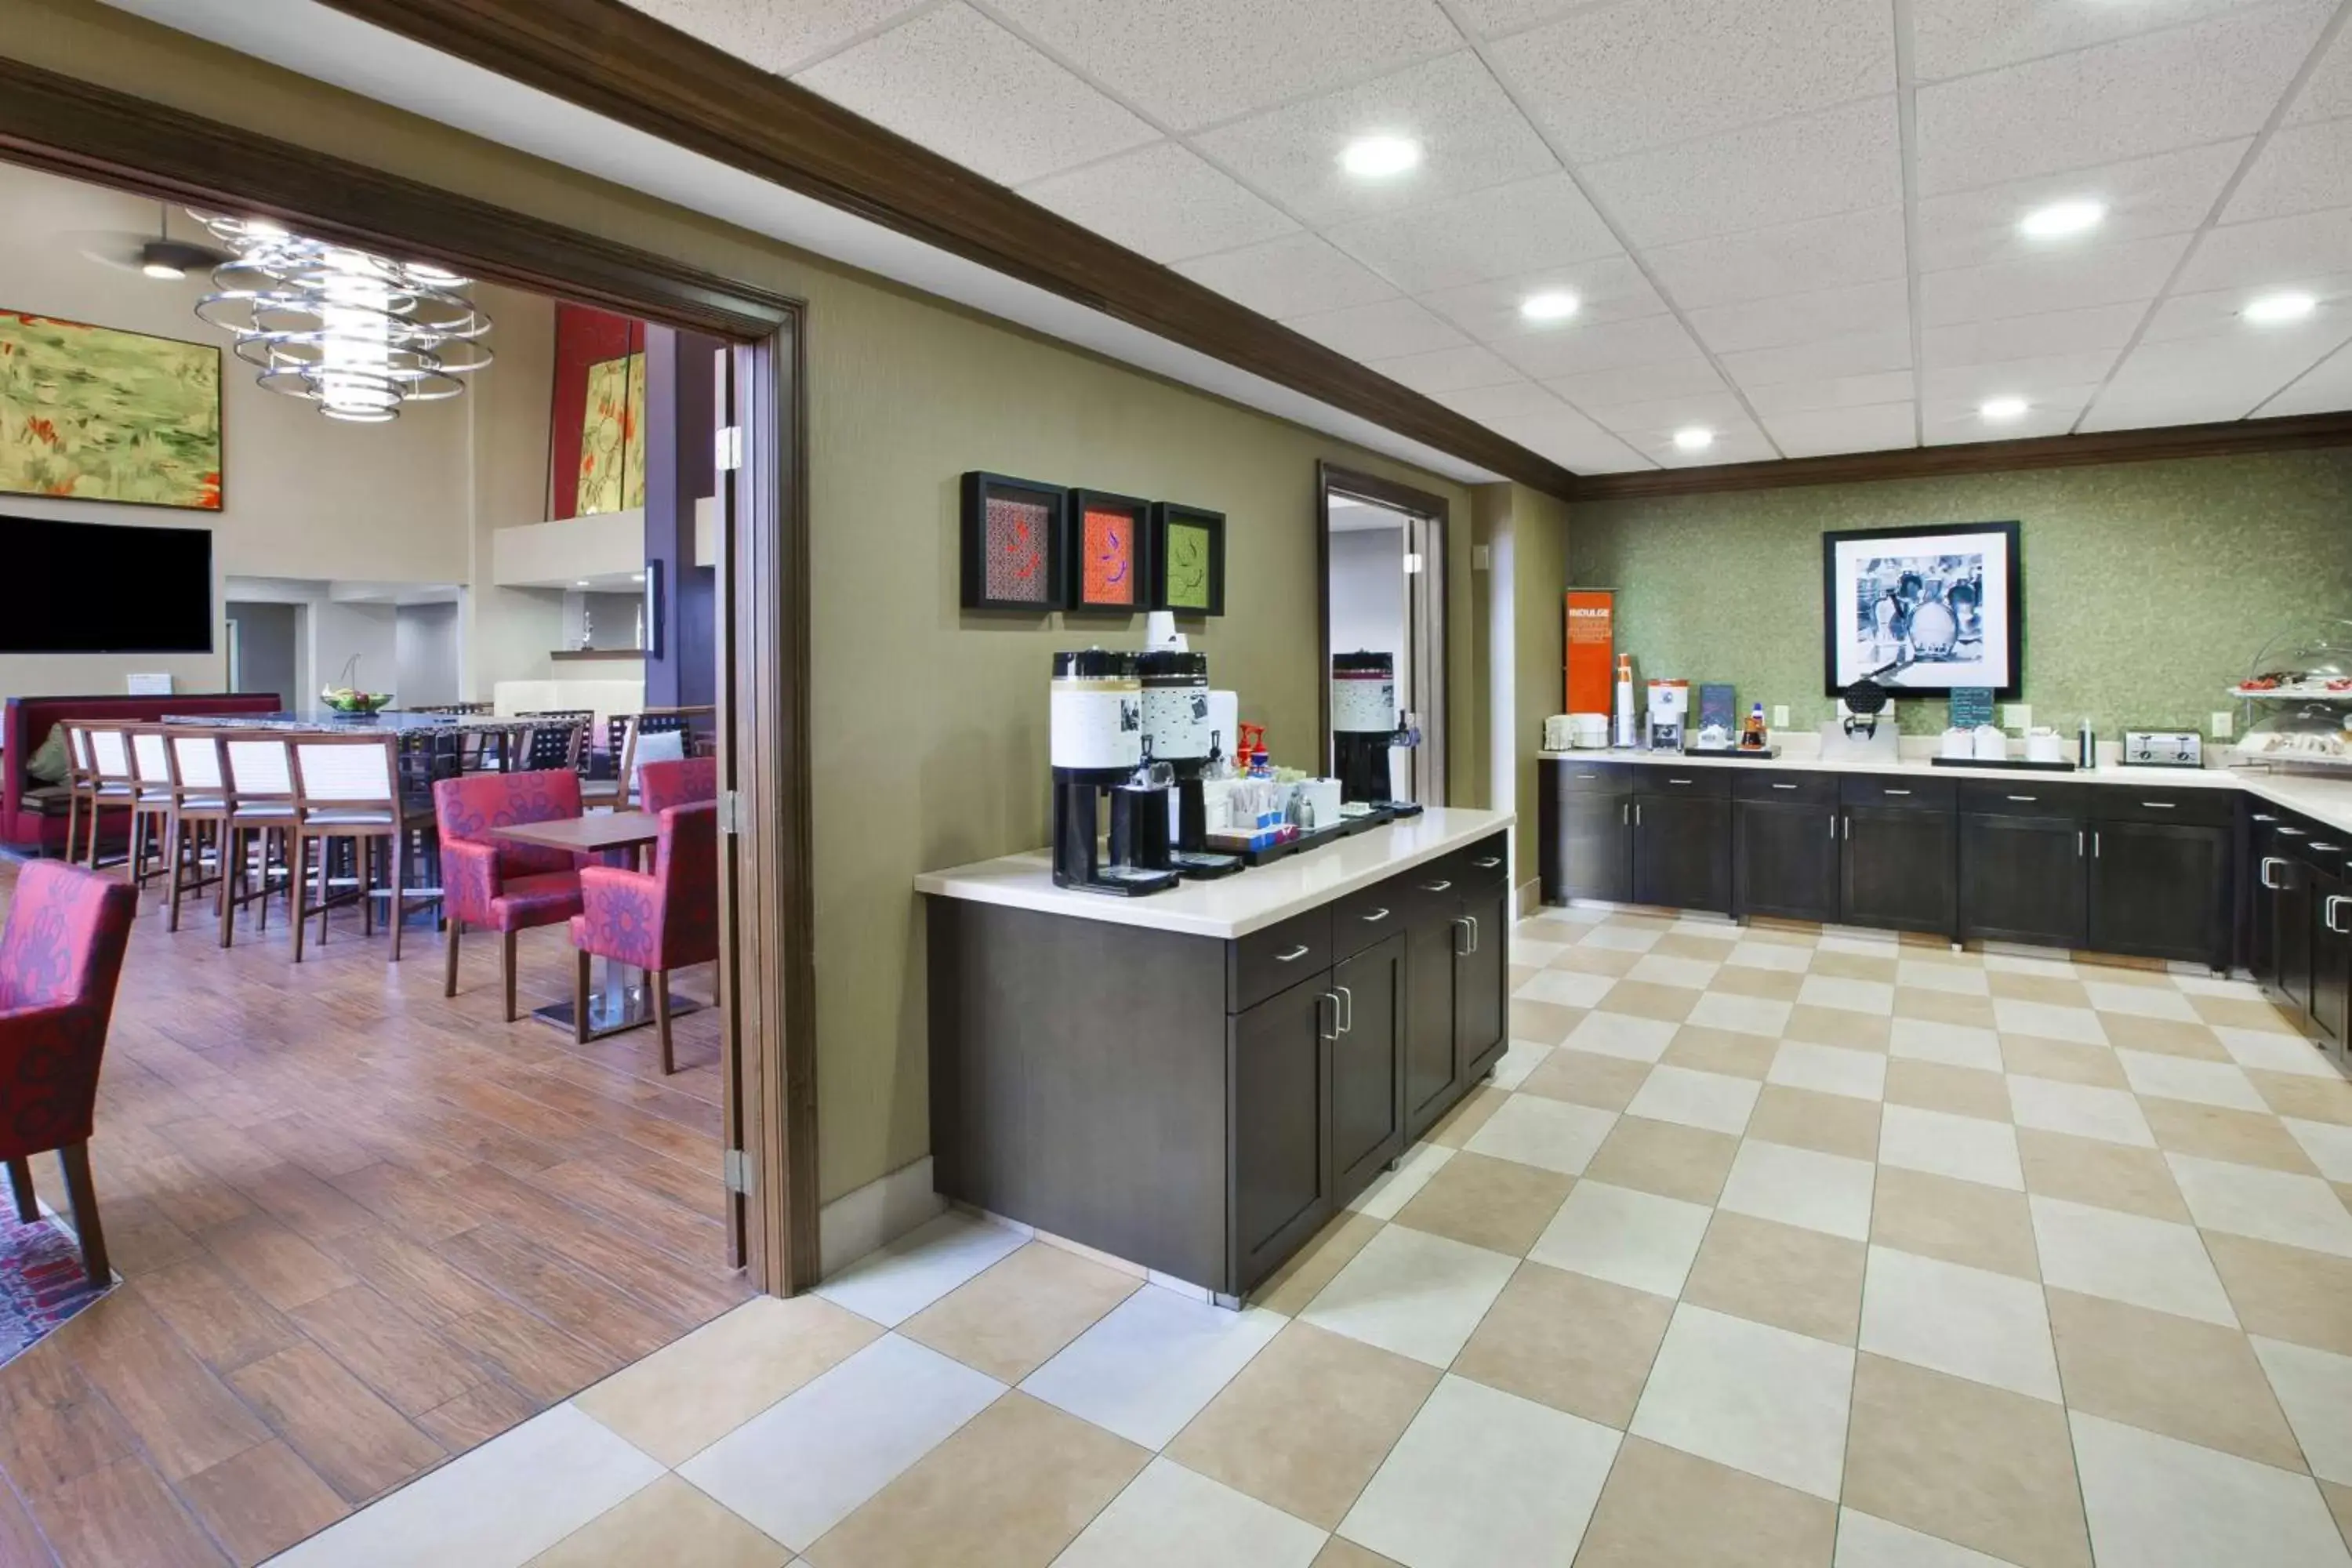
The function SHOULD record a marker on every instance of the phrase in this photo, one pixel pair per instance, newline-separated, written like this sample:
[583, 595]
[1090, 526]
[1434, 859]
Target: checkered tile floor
[1766, 1248]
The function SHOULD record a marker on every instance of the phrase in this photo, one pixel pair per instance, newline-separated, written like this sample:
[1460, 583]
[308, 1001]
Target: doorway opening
[1382, 549]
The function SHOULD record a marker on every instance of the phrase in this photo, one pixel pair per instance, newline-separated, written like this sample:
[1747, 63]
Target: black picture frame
[653, 609]
[978, 489]
[1213, 522]
[1137, 512]
[1854, 564]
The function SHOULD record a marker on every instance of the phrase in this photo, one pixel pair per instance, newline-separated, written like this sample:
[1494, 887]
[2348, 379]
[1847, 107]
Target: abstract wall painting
[96, 413]
[612, 438]
[1188, 559]
[1012, 537]
[1110, 548]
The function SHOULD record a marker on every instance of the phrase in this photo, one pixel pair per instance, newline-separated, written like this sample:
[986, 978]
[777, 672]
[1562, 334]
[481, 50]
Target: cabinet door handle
[1678, 781]
[1834, 822]
[1848, 832]
[1784, 786]
[2293, 832]
[2094, 844]
[1435, 887]
[1348, 1017]
[1461, 947]
[2263, 817]
[1293, 955]
[2159, 805]
[2328, 914]
[1487, 862]
[1898, 792]
[1475, 934]
[1333, 1031]
[1626, 814]
[2078, 843]
[1588, 775]
[2329, 849]
[2262, 871]
[2029, 799]
[1637, 813]
[1379, 914]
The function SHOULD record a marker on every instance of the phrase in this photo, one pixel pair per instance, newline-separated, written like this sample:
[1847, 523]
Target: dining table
[622, 999]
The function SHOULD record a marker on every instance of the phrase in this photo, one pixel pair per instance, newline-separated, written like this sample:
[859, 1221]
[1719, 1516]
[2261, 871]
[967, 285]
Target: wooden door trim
[1330, 477]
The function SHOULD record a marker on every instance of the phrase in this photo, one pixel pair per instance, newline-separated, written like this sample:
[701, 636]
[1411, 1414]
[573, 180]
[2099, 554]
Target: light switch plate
[2017, 716]
[2221, 726]
[1779, 716]
[1481, 556]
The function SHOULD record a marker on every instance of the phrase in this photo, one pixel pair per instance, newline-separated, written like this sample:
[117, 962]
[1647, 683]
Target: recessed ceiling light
[1694, 439]
[1379, 157]
[582, 582]
[2062, 219]
[2002, 408]
[2272, 309]
[1552, 305]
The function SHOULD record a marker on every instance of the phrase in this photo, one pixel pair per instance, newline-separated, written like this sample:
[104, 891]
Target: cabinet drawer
[1879, 789]
[1786, 788]
[2328, 849]
[1482, 864]
[2138, 803]
[2026, 797]
[1362, 919]
[1266, 961]
[1574, 777]
[1707, 784]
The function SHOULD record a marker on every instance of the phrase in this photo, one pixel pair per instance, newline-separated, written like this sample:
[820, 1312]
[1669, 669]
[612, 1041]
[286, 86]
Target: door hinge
[728, 455]
[735, 1170]
[731, 811]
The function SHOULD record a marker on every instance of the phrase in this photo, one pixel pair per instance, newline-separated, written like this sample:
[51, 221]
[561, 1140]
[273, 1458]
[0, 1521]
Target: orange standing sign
[1591, 618]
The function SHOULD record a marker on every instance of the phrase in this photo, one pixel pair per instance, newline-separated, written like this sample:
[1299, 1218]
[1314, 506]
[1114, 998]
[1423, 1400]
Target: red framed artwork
[1110, 553]
[1011, 544]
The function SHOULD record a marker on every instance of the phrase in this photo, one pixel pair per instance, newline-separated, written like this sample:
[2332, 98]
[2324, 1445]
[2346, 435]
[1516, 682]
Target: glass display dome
[2310, 662]
[2301, 732]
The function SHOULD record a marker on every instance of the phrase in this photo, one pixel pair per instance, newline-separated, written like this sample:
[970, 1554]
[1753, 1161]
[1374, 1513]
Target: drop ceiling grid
[1930, 125]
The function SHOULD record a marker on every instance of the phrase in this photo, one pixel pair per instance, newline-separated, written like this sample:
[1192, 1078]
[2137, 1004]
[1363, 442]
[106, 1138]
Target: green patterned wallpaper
[2148, 586]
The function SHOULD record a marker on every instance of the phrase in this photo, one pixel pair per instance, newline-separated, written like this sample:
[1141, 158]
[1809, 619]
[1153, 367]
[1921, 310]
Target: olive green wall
[1528, 532]
[2148, 586]
[929, 726]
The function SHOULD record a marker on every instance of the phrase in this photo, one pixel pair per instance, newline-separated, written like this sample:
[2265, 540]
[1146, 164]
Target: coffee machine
[1097, 747]
[1176, 734]
[1363, 725]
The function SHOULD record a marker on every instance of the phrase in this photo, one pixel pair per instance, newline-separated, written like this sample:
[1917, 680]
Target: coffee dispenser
[1363, 724]
[1177, 733]
[1097, 747]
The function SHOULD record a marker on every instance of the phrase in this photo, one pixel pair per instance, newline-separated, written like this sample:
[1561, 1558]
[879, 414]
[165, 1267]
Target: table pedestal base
[613, 1010]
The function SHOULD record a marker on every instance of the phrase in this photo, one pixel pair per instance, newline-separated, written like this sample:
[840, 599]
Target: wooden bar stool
[200, 813]
[113, 782]
[260, 774]
[82, 781]
[153, 834]
[347, 787]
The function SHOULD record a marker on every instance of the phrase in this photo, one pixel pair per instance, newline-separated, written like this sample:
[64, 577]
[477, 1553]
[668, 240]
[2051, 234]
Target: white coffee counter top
[1231, 906]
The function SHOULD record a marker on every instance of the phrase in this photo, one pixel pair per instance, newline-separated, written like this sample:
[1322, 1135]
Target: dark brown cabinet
[2022, 878]
[1430, 1071]
[1482, 982]
[1589, 853]
[1280, 1123]
[1896, 867]
[2331, 959]
[1785, 860]
[2159, 890]
[1368, 1061]
[1682, 851]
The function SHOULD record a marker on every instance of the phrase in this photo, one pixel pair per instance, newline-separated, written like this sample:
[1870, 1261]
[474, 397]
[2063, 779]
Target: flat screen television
[103, 587]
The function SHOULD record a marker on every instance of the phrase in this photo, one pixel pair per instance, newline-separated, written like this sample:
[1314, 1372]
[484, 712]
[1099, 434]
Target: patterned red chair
[657, 921]
[661, 786]
[60, 959]
[486, 880]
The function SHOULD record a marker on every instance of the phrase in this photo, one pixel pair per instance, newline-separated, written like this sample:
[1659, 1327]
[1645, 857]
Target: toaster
[2163, 748]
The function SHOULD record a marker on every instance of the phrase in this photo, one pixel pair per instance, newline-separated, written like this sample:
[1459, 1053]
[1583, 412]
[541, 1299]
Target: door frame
[1425, 613]
[767, 977]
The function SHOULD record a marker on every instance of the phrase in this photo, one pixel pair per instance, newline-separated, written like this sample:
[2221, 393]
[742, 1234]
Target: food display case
[2298, 697]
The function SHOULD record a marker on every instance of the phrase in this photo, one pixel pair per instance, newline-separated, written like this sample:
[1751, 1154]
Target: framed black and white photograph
[1922, 610]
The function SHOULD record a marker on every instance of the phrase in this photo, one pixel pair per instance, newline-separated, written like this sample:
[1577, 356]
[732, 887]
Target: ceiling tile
[1289, 277]
[1882, 306]
[1854, 353]
[2196, 379]
[2026, 378]
[1951, 421]
[2143, 409]
[1518, 400]
[2266, 255]
[1607, 288]
[1622, 79]
[1448, 370]
[2023, 336]
[1164, 201]
[1742, 442]
[2171, 193]
[1471, 137]
[1389, 330]
[1812, 165]
[1206, 61]
[1830, 392]
[1493, 19]
[2303, 169]
[2324, 389]
[1639, 383]
[2214, 312]
[1814, 432]
[1599, 345]
[775, 37]
[2057, 280]
[967, 90]
[1786, 258]
[2327, 91]
[1953, 36]
[2206, 82]
[1568, 439]
[1493, 233]
[1637, 421]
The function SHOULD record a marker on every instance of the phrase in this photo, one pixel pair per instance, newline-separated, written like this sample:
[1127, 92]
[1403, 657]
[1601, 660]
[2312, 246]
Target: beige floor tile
[2122, 969]
[1856, 967]
[1465, 1120]
[2198, 1382]
[2062, 1060]
[1747, 980]
[2051, 990]
[2166, 1037]
[1642, 999]
[1838, 1027]
[1721, 1050]
[2339, 1503]
[1664, 1157]
[1301, 1279]
[1545, 1023]
[1500, 1204]
[1306, 1424]
[1015, 1315]
[2305, 1098]
[1991, 1469]
[683, 1398]
[2239, 1012]
[1609, 961]
[1938, 1086]
[669, 1521]
[2285, 1292]
[1784, 933]
[1691, 944]
[1808, 1119]
[1010, 1488]
[1520, 973]
[1569, 1340]
[1587, 1077]
[1802, 1280]
[2241, 1137]
[2091, 1171]
[1959, 1222]
[1663, 1506]
[1339, 1553]
[1930, 1005]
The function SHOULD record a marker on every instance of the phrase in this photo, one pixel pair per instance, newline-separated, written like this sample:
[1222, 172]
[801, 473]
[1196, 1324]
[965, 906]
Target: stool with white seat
[259, 773]
[345, 786]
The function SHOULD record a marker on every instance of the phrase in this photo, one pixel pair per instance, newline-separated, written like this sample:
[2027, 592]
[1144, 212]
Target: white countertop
[1231, 906]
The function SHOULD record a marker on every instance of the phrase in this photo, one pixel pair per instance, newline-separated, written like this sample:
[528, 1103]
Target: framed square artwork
[97, 414]
[1924, 610]
[1012, 546]
[1188, 559]
[1110, 555]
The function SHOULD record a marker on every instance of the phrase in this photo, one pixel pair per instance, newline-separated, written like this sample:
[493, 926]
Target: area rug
[41, 1281]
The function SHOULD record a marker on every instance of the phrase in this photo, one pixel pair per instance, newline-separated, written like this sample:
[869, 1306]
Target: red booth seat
[33, 814]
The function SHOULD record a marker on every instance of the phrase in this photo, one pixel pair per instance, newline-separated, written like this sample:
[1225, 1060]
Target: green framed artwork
[1188, 559]
[95, 414]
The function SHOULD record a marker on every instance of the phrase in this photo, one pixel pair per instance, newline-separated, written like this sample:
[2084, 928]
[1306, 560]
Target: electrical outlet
[1779, 716]
[2221, 726]
[2017, 716]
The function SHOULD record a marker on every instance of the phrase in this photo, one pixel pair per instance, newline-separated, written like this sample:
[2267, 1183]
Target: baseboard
[874, 1216]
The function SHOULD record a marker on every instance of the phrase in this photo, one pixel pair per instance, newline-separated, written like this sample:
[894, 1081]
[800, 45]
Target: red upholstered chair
[661, 786]
[60, 959]
[486, 880]
[657, 921]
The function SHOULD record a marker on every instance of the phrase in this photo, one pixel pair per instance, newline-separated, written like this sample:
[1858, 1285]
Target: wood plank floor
[362, 1229]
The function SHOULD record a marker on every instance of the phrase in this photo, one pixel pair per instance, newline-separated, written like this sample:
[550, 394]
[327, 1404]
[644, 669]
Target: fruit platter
[352, 703]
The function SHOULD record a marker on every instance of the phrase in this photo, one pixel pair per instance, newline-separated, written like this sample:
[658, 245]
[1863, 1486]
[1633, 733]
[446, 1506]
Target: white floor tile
[1758, 1398]
[2329, 1146]
[1392, 1190]
[1626, 938]
[1966, 1147]
[2110, 1115]
[492, 1508]
[1717, 1101]
[1862, 943]
[2199, 983]
[2140, 1001]
[1617, 1035]
[1801, 1188]
[1576, 918]
[1833, 1069]
[1954, 1044]
[1409, 1292]
[2270, 1206]
[1865, 1540]
[800, 1466]
[1629, 1238]
[1519, 1059]
[2048, 1021]
[1482, 1477]
[2150, 1263]
[1566, 988]
[1853, 995]
[894, 1284]
[1958, 979]
[1742, 1014]
[1693, 973]
[2315, 1389]
[1151, 1365]
[2274, 1052]
[1169, 1517]
[1531, 945]
[1536, 1130]
[2156, 1502]
[2183, 1077]
[1970, 1322]
[1778, 955]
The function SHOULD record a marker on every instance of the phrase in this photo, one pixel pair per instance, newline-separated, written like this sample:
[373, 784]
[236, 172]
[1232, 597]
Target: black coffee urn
[1363, 724]
[1097, 748]
[1176, 732]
